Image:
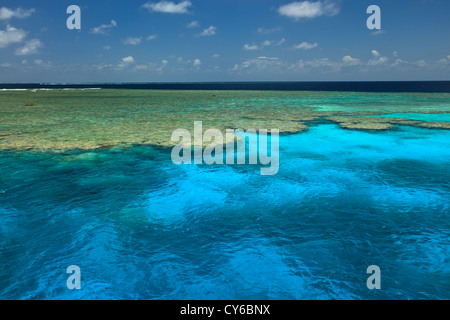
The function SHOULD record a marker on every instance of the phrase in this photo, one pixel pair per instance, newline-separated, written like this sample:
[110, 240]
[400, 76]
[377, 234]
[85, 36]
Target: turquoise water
[140, 227]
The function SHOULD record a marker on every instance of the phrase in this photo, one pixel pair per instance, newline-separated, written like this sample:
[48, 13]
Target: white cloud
[132, 41]
[263, 44]
[103, 66]
[152, 37]
[168, 7]
[107, 47]
[251, 46]
[268, 58]
[421, 63]
[274, 65]
[141, 67]
[193, 24]
[382, 60]
[350, 61]
[260, 64]
[6, 13]
[308, 9]
[163, 65]
[104, 28]
[31, 47]
[11, 35]
[216, 55]
[323, 64]
[399, 62]
[378, 59]
[305, 46]
[209, 31]
[37, 62]
[279, 43]
[445, 60]
[378, 32]
[127, 61]
[197, 62]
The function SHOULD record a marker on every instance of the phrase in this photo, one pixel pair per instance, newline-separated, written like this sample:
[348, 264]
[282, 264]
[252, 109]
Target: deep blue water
[355, 86]
[140, 227]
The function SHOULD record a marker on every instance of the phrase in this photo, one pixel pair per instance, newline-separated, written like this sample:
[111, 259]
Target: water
[88, 119]
[140, 227]
[421, 116]
[353, 86]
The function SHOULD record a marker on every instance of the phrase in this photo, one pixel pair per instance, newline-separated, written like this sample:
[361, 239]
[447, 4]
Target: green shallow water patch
[90, 119]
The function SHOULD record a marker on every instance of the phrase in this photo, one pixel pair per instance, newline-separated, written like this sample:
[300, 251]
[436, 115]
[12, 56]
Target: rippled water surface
[140, 227]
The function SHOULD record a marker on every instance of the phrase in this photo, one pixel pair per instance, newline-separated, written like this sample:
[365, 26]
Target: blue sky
[224, 40]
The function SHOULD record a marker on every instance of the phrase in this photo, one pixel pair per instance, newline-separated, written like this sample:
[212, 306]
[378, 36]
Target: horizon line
[215, 82]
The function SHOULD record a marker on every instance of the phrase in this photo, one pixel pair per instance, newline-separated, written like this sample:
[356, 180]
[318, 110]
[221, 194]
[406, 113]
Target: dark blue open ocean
[356, 86]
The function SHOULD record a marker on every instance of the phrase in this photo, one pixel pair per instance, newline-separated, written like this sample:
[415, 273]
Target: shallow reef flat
[61, 120]
[382, 123]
